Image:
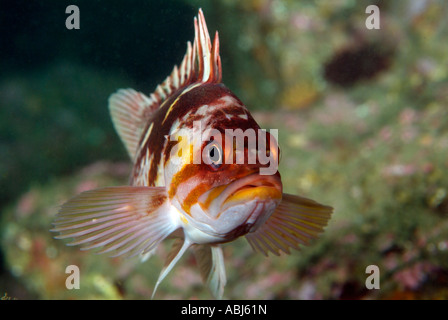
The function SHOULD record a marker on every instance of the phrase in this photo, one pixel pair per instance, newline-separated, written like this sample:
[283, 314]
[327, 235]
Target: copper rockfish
[202, 204]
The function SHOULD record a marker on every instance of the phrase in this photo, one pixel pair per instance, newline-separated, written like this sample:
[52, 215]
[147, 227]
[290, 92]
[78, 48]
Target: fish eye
[213, 153]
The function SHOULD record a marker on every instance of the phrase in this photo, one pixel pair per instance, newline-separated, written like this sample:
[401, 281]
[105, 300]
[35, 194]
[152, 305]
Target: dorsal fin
[130, 110]
[209, 61]
[200, 64]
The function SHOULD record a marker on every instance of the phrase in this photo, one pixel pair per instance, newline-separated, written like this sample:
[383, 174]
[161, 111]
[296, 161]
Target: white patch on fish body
[145, 139]
[228, 116]
[174, 128]
[225, 224]
[142, 179]
[203, 110]
[230, 101]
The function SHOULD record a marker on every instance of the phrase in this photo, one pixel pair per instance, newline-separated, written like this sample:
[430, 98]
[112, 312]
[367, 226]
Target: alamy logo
[73, 280]
[373, 280]
[234, 146]
[373, 20]
[73, 20]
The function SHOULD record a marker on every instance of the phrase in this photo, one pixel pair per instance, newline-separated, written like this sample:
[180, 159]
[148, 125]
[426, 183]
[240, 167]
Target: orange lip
[252, 192]
[248, 188]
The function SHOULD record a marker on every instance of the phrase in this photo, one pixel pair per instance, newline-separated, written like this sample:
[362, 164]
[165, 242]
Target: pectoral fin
[210, 260]
[122, 220]
[295, 222]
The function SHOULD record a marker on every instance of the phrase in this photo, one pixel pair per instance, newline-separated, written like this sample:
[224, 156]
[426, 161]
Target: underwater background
[363, 126]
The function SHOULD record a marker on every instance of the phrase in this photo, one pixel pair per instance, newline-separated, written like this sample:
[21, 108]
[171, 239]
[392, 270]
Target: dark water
[123, 36]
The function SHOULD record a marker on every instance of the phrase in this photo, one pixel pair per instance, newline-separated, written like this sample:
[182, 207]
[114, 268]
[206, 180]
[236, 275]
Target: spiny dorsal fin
[200, 64]
[209, 61]
[130, 110]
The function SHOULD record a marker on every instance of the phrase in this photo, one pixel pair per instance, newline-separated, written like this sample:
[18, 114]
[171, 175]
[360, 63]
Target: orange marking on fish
[212, 196]
[256, 192]
[188, 171]
[192, 197]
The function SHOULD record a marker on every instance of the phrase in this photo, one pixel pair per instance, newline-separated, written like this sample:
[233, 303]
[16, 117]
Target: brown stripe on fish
[192, 197]
[153, 144]
[233, 117]
[182, 102]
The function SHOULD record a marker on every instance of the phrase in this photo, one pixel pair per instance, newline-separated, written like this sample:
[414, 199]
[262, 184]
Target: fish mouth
[249, 188]
[263, 192]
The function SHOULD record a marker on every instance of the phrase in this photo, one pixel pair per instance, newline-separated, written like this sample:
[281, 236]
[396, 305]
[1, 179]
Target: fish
[199, 176]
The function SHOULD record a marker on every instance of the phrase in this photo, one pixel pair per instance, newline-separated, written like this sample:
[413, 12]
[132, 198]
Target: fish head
[222, 175]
